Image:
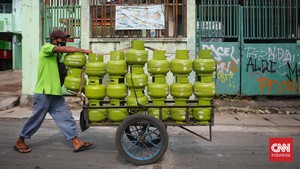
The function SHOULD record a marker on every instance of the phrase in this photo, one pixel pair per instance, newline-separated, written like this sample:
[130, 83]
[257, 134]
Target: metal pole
[207, 139]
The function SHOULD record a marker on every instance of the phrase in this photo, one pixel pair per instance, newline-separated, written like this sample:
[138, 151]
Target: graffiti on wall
[227, 59]
[275, 68]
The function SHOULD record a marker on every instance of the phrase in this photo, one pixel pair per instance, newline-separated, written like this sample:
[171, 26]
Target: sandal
[85, 146]
[22, 150]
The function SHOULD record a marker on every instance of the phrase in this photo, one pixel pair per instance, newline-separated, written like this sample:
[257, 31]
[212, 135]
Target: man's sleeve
[48, 49]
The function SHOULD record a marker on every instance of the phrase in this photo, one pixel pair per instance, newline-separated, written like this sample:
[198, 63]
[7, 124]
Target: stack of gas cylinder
[116, 89]
[136, 79]
[181, 89]
[95, 90]
[75, 62]
[158, 90]
[204, 87]
[128, 81]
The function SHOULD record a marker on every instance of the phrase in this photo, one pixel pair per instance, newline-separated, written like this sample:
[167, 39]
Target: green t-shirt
[48, 76]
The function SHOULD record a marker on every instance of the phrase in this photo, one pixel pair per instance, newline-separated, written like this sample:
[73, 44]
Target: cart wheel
[137, 139]
[155, 138]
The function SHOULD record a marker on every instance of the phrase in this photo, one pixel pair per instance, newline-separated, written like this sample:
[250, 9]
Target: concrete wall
[17, 14]
[32, 40]
[31, 43]
[98, 45]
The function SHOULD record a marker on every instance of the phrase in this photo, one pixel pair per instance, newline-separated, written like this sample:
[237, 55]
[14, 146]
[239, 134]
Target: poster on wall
[140, 17]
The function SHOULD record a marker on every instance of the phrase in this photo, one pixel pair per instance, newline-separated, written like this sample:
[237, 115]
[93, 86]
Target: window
[103, 19]
[61, 2]
[5, 8]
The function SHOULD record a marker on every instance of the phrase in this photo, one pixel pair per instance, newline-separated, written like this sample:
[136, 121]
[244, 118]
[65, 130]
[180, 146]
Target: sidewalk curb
[9, 103]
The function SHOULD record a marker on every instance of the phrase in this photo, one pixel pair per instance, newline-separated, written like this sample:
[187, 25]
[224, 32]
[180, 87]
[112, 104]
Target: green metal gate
[271, 20]
[270, 55]
[271, 69]
[218, 24]
[64, 15]
[247, 38]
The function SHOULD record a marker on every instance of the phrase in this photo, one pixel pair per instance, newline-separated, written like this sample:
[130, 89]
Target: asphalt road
[231, 148]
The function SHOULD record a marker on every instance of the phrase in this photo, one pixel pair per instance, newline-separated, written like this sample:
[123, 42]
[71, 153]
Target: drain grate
[296, 119]
[269, 120]
[236, 118]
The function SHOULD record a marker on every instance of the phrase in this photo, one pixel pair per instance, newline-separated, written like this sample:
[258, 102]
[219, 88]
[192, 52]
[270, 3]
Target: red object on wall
[5, 37]
[70, 40]
[5, 54]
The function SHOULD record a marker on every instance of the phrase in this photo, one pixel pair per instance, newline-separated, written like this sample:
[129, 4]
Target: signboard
[140, 17]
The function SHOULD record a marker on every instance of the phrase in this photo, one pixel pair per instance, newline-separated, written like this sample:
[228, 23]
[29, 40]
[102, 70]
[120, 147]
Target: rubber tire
[150, 119]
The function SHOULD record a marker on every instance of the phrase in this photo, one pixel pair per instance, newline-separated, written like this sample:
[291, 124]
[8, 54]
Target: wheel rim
[155, 138]
[141, 140]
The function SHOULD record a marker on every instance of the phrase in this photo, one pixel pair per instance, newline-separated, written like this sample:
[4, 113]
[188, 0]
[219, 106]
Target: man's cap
[59, 34]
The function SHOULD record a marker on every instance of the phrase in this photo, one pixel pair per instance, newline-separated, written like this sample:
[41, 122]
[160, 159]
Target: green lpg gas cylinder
[205, 101]
[138, 44]
[72, 83]
[96, 115]
[205, 64]
[137, 92]
[157, 90]
[205, 54]
[155, 112]
[73, 79]
[116, 91]
[134, 101]
[179, 90]
[117, 115]
[116, 65]
[202, 114]
[159, 64]
[179, 114]
[95, 66]
[76, 72]
[161, 79]
[134, 80]
[94, 89]
[93, 57]
[181, 64]
[138, 55]
[76, 59]
[204, 89]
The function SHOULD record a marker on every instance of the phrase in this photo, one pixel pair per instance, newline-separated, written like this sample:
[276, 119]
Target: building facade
[254, 42]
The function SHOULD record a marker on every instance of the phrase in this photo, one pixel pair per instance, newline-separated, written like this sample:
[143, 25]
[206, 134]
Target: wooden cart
[141, 138]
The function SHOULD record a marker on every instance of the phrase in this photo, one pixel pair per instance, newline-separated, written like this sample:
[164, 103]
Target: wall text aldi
[281, 149]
